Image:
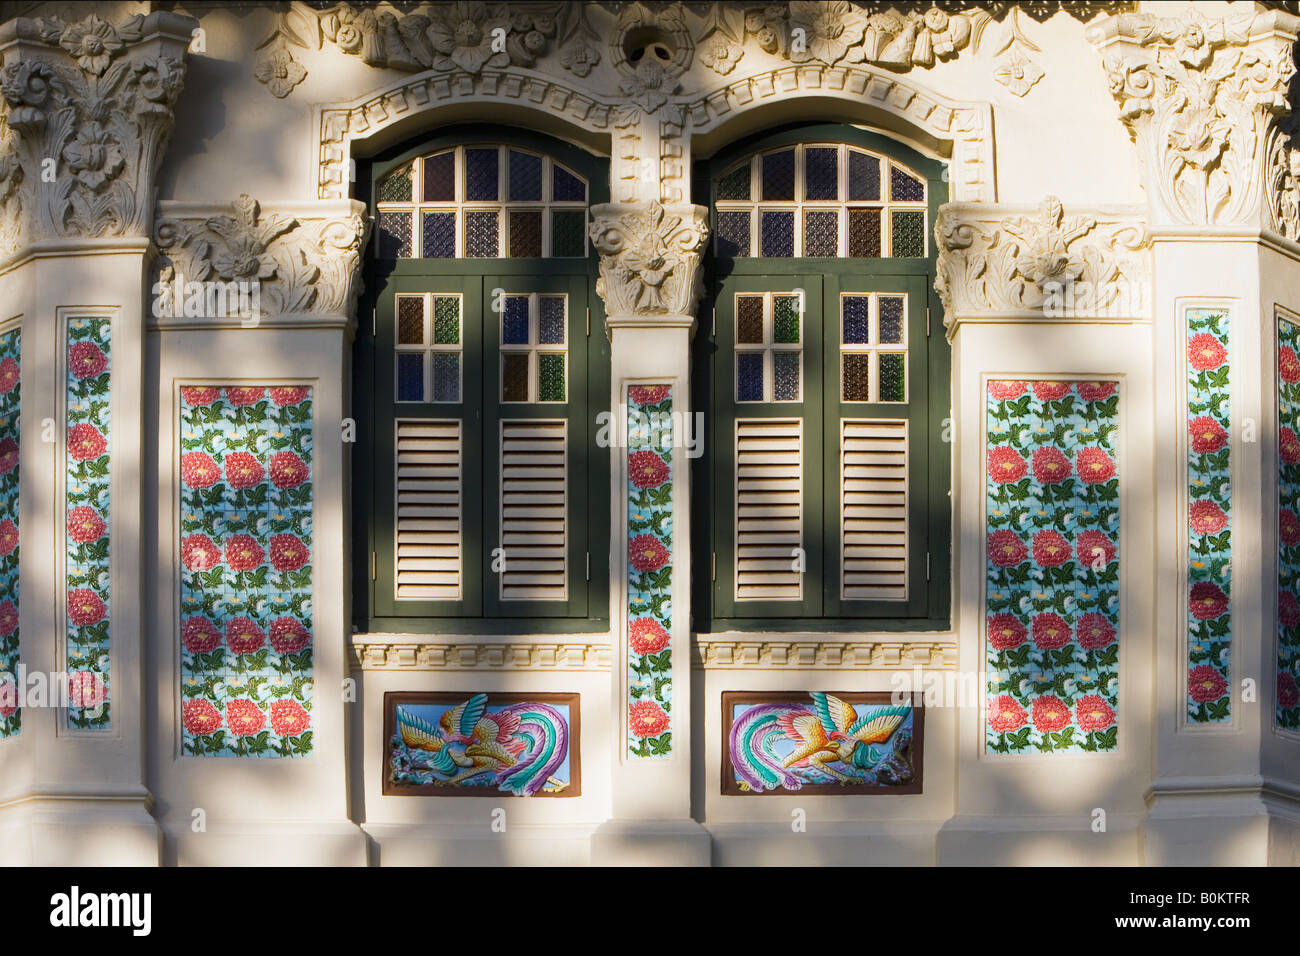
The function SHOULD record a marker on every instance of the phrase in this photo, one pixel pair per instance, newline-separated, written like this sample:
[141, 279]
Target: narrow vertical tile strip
[10, 409]
[650, 569]
[1209, 517]
[1052, 580]
[1288, 530]
[246, 571]
[86, 492]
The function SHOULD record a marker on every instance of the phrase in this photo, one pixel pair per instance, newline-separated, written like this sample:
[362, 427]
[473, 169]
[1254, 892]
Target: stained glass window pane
[821, 233]
[733, 234]
[481, 235]
[778, 175]
[856, 314]
[439, 239]
[857, 377]
[892, 384]
[526, 233]
[440, 177]
[397, 187]
[864, 177]
[410, 321]
[567, 232]
[778, 234]
[904, 188]
[735, 184]
[550, 320]
[749, 319]
[785, 319]
[550, 377]
[446, 376]
[514, 320]
[909, 234]
[446, 320]
[566, 187]
[514, 376]
[749, 376]
[785, 376]
[481, 175]
[410, 376]
[394, 235]
[821, 173]
[525, 183]
[891, 319]
[864, 233]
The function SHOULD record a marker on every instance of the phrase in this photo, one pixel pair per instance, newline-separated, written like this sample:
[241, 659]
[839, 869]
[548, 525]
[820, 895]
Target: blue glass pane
[864, 177]
[394, 235]
[514, 321]
[439, 235]
[778, 234]
[550, 320]
[446, 377]
[525, 177]
[856, 319]
[567, 187]
[481, 175]
[904, 188]
[749, 376]
[821, 173]
[778, 175]
[733, 234]
[410, 376]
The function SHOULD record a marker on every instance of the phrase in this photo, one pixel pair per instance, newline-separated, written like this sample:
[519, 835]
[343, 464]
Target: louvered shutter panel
[873, 508]
[769, 508]
[533, 505]
[429, 546]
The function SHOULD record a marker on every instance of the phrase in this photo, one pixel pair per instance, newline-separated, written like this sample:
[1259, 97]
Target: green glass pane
[446, 320]
[397, 187]
[566, 232]
[909, 235]
[893, 386]
[735, 184]
[785, 329]
[550, 378]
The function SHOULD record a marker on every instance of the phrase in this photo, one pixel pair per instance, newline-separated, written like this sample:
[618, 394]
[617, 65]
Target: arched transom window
[814, 200]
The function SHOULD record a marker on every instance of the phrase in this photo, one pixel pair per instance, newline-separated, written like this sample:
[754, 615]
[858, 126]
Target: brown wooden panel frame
[731, 786]
[394, 699]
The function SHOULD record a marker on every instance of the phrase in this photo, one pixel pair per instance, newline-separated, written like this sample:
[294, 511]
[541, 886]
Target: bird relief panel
[480, 745]
[821, 743]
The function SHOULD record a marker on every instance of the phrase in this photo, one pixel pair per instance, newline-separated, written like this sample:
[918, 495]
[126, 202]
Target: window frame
[930, 461]
[586, 608]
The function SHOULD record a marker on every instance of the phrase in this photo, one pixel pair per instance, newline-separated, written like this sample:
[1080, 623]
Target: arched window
[476, 378]
[827, 377]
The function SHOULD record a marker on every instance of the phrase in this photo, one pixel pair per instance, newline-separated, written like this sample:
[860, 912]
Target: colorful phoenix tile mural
[246, 570]
[818, 742]
[453, 744]
[11, 716]
[650, 569]
[87, 478]
[1209, 517]
[1287, 714]
[1052, 584]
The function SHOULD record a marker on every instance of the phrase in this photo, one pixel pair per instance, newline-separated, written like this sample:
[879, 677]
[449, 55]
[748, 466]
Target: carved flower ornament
[279, 72]
[92, 42]
[830, 27]
[94, 156]
[1047, 257]
[461, 33]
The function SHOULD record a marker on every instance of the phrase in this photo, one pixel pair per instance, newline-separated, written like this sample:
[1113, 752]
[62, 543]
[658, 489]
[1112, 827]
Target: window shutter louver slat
[428, 546]
[769, 508]
[534, 506]
[873, 508]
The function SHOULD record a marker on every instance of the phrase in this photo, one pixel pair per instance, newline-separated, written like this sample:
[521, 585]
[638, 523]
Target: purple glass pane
[821, 173]
[778, 175]
[440, 177]
[857, 328]
[778, 234]
[864, 177]
[481, 175]
[439, 239]
[525, 183]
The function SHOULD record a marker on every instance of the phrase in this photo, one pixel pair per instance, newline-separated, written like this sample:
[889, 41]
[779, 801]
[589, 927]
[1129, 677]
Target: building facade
[649, 433]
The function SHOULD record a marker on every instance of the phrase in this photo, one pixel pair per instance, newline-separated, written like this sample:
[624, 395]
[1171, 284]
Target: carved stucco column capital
[649, 258]
[1205, 100]
[87, 111]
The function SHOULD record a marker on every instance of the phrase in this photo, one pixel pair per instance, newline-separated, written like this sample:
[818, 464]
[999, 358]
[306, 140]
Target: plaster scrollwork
[302, 266]
[1203, 99]
[649, 257]
[88, 111]
[1000, 262]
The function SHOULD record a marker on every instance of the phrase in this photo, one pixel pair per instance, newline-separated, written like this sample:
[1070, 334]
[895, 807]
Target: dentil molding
[1205, 100]
[305, 257]
[998, 262]
[87, 111]
[815, 652]
[649, 257]
[396, 654]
